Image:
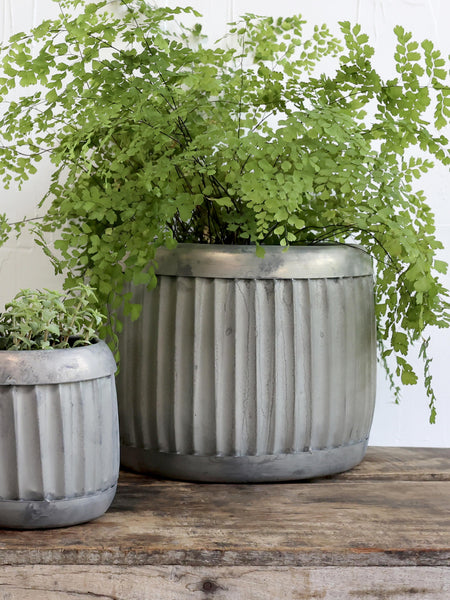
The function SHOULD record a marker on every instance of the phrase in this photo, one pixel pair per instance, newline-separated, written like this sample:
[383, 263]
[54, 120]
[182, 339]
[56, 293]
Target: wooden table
[381, 531]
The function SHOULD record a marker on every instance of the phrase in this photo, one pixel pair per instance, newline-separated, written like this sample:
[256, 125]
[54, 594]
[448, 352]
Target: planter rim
[241, 262]
[61, 365]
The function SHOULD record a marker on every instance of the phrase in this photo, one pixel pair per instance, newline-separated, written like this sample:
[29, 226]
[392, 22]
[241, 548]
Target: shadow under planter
[245, 369]
[59, 437]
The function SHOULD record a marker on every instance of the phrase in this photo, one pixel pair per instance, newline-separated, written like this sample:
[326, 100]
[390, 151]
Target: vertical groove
[129, 383]
[265, 364]
[366, 345]
[302, 361]
[28, 452]
[9, 468]
[69, 452]
[351, 363]
[231, 10]
[284, 368]
[369, 293]
[89, 391]
[137, 372]
[78, 434]
[320, 383]
[136, 381]
[165, 353]
[101, 444]
[183, 377]
[106, 436]
[111, 400]
[122, 386]
[224, 350]
[49, 414]
[129, 344]
[347, 350]
[245, 361]
[137, 354]
[361, 357]
[104, 445]
[88, 423]
[336, 334]
[145, 401]
[96, 446]
[204, 417]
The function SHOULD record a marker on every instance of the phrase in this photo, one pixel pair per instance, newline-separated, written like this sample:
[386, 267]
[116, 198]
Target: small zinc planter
[244, 369]
[59, 438]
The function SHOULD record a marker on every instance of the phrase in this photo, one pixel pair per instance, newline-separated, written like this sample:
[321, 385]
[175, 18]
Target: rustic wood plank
[357, 521]
[407, 464]
[222, 583]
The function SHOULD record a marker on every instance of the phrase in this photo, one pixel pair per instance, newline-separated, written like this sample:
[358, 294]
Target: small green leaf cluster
[42, 320]
[157, 138]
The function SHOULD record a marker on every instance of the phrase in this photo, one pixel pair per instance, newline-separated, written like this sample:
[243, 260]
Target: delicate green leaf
[157, 137]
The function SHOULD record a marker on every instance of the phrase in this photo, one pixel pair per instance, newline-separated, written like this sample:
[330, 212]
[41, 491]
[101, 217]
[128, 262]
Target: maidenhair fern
[157, 138]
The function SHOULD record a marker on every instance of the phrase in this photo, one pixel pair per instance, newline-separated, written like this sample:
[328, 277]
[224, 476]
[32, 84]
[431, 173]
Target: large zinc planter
[248, 369]
[59, 438]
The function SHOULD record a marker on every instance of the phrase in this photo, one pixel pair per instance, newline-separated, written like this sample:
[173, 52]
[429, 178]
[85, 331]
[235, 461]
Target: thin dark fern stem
[151, 52]
[344, 228]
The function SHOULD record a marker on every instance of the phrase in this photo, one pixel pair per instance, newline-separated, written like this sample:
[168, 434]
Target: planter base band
[43, 514]
[244, 469]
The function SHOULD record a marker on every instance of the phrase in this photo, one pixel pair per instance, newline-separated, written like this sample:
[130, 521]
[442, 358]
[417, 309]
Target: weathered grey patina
[244, 368]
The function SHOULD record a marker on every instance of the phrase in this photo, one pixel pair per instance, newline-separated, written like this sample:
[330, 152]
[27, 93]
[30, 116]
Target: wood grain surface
[378, 532]
[405, 464]
[39, 582]
[393, 510]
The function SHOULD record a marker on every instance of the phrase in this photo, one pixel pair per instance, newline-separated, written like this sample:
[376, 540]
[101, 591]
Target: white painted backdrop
[23, 265]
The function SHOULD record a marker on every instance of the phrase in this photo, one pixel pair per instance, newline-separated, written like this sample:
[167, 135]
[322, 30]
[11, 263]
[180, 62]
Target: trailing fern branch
[157, 137]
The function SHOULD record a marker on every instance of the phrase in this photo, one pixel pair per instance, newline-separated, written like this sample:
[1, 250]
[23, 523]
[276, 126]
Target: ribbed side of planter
[248, 379]
[59, 451]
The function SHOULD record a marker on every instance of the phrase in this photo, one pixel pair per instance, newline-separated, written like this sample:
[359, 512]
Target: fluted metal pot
[244, 369]
[59, 437]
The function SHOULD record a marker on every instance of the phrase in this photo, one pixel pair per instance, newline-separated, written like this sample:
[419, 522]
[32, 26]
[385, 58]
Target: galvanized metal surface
[56, 365]
[249, 369]
[59, 442]
[45, 514]
[245, 469]
[241, 262]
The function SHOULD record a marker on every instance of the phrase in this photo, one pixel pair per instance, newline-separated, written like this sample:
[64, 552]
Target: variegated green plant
[42, 320]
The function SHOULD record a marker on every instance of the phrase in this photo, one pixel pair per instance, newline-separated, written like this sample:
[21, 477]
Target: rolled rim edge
[38, 367]
[295, 262]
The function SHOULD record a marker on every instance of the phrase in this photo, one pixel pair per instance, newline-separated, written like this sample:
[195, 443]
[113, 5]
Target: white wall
[22, 265]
